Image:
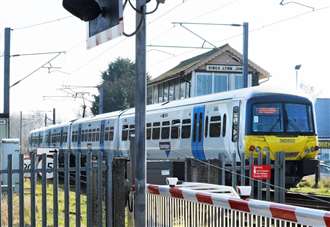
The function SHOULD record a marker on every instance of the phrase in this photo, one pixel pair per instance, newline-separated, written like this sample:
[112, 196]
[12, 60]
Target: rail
[205, 205]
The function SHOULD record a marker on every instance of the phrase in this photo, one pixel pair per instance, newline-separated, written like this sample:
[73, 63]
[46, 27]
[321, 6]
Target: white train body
[199, 127]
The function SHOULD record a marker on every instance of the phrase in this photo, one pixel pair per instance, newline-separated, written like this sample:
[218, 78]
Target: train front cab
[283, 123]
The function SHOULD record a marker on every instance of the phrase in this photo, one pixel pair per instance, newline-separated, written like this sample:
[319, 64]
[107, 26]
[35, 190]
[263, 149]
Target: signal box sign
[262, 172]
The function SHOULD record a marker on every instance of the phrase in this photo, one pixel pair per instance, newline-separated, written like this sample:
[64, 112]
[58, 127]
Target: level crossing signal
[104, 17]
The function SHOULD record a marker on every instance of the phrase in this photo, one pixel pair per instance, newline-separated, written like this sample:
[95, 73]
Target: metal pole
[54, 116]
[45, 119]
[140, 108]
[6, 76]
[20, 130]
[296, 79]
[245, 53]
[101, 91]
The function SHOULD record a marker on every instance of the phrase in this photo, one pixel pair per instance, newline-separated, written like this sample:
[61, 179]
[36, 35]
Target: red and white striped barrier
[294, 214]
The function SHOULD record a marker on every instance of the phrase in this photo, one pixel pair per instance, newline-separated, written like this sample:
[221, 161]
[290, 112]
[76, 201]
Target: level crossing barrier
[201, 205]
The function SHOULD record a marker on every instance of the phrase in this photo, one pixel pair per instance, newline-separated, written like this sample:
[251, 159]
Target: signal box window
[215, 126]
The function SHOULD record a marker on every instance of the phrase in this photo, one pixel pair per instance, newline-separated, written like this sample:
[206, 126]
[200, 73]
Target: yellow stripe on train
[295, 148]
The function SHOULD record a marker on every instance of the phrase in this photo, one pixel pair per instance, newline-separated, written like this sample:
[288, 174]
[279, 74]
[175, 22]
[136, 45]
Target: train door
[235, 129]
[197, 139]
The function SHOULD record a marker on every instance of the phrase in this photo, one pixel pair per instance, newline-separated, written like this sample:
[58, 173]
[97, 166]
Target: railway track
[308, 200]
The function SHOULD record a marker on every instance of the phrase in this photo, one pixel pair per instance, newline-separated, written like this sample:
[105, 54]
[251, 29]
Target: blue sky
[280, 37]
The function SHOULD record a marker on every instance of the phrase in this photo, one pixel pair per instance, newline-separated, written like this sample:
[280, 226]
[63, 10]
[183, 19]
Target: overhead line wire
[42, 23]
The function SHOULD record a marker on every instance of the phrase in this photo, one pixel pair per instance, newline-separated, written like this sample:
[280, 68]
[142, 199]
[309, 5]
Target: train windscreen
[292, 118]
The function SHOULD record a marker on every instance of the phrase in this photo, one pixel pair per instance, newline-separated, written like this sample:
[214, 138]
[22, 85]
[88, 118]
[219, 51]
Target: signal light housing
[86, 10]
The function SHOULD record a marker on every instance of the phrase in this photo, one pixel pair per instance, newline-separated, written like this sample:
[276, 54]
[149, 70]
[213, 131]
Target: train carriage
[251, 120]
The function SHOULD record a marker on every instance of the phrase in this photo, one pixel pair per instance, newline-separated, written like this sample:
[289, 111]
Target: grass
[27, 206]
[307, 186]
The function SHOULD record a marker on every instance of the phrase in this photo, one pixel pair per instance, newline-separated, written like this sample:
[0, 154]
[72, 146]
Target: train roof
[244, 93]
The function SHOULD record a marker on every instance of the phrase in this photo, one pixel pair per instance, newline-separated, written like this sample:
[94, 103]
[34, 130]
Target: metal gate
[66, 189]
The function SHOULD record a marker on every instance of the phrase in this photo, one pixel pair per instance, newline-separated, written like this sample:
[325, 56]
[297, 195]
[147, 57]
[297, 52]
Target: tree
[118, 83]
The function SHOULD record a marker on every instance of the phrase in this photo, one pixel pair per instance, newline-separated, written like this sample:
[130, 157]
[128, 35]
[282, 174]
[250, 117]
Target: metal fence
[223, 172]
[77, 188]
[187, 207]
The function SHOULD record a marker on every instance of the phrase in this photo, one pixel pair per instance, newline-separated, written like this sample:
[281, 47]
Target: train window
[148, 131]
[111, 133]
[224, 125]
[93, 134]
[200, 128]
[106, 134]
[165, 134]
[175, 129]
[215, 126]
[186, 128]
[195, 127]
[235, 128]
[89, 139]
[206, 126]
[156, 131]
[131, 130]
[97, 135]
[124, 133]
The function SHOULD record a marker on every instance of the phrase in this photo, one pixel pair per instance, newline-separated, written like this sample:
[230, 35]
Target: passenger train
[246, 120]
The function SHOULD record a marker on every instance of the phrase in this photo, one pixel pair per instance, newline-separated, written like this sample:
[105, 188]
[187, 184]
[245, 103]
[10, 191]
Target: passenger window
[97, 137]
[93, 134]
[111, 133]
[165, 130]
[106, 134]
[195, 127]
[156, 131]
[148, 131]
[224, 125]
[215, 126]
[89, 135]
[131, 130]
[206, 126]
[235, 127]
[124, 133]
[186, 128]
[200, 128]
[175, 129]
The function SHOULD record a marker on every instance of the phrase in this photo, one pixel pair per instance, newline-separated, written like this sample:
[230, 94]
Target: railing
[186, 206]
[77, 189]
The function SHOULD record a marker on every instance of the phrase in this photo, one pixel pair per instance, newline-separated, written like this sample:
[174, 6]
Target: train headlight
[252, 148]
[258, 149]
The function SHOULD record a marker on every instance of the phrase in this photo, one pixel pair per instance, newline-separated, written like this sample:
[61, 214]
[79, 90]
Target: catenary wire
[42, 23]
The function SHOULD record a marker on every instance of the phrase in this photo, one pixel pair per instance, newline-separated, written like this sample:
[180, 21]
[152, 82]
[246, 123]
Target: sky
[280, 37]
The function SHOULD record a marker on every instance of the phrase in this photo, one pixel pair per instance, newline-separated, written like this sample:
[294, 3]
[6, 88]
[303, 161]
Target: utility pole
[245, 54]
[101, 91]
[20, 130]
[6, 77]
[54, 116]
[140, 111]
